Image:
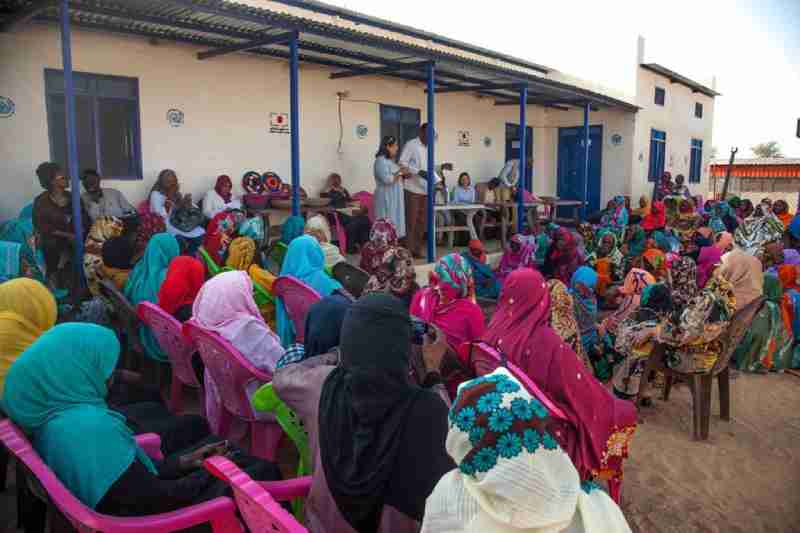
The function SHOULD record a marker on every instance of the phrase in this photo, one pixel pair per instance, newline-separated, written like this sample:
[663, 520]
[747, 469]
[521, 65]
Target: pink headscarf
[225, 304]
[711, 256]
[600, 424]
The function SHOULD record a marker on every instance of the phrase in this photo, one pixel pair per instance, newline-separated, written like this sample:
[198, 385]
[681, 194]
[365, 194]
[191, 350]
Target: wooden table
[532, 212]
[470, 210]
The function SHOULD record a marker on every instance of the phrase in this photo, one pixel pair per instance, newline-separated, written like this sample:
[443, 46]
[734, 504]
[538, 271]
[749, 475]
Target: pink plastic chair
[167, 332]
[367, 200]
[298, 298]
[257, 500]
[614, 485]
[219, 512]
[232, 373]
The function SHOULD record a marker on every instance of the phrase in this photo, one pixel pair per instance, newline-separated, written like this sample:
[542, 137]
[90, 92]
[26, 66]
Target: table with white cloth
[449, 228]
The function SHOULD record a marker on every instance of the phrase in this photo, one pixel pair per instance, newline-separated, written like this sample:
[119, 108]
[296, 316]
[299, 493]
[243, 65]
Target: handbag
[186, 218]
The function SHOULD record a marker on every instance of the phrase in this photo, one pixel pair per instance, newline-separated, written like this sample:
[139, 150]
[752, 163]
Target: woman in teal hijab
[291, 229]
[56, 391]
[145, 280]
[304, 261]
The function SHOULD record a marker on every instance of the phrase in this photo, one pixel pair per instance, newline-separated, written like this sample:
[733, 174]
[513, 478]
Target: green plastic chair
[213, 267]
[272, 258]
[261, 295]
[266, 400]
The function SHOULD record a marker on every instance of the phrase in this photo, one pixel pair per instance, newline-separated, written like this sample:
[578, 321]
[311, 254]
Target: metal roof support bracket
[374, 71]
[269, 40]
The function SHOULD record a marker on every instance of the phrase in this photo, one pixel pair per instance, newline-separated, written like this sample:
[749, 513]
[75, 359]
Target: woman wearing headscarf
[723, 218]
[52, 219]
[319, 228]
[606, 260]
[219, 234]
[633, 342]
[149, 224]
[304, 261]
[103, 229]
[323, 329]
[744, 272]
[781, 210]
[516, 255]
[291, 229]
[680, 188]
[711, 256]
[220, 198]
[656, 219]
[56, 392]
[635, 283]
[395, 275]
[616, 219]
[766, 345]
[145, 281]
[166, 198]
[563, 321]
[20, 231]
[368, 427]
[563, 258]
[486, 283]
[754, 234]
[241, 253]
[636, 242]
[683, 281]
[185, 276]
[582, 288]
[644, 207]
[447, 302]
[789, 276]
[27, 309]
[664, 187]
[598, 426]
[226, 306]
[382, 236]
[511, 474]
[118, 260]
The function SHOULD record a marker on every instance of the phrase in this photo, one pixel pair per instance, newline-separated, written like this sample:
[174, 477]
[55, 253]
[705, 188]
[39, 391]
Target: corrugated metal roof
[760, 161]
[325, 39]
[758, 168]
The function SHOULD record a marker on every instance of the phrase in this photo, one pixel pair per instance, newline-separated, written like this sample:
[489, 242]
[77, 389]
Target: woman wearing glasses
[389, 176]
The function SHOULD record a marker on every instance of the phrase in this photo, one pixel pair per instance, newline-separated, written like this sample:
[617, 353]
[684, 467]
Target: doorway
[571, 162]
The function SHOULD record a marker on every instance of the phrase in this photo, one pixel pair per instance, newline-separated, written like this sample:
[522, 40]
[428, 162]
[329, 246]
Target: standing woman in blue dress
[389, 176]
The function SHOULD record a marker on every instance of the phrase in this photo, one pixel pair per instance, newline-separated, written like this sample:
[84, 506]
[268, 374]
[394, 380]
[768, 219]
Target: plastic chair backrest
[366, 199]
[523, 378]
[262, 296]
[273, 260]
[229, 369]
[258, 508]
[168, 333]
[351, 277]
[211, 265]
[298, 298]
[266, 400]
[735, 332]
[125, 311]
[219, 511]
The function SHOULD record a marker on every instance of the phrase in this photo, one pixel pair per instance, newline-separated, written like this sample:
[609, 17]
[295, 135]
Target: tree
[767, 149]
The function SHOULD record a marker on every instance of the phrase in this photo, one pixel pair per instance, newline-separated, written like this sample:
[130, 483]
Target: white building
[145, 101]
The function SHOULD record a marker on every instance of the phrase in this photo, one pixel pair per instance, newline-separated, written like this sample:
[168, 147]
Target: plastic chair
[266, 400]
[257, 500]
[168, 333]
[232, 374]
[272, 257]
[262, 296]
[211, 265]
[298, 298]
[126, 314]
[614, 484]
[351, 277]
[701, 384]
[219, 512]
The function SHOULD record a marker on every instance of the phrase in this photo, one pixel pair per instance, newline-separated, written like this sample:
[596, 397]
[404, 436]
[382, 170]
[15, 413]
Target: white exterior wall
[227, 102]
[677, 119]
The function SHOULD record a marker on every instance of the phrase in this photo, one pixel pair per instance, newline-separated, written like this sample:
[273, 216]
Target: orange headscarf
[788, 275]
[786, 218]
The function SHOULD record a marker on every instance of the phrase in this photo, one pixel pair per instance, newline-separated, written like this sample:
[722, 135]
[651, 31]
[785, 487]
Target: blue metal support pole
[523, 156]
[585, 209]
[294, 120]
[431, 72]
[72, 140]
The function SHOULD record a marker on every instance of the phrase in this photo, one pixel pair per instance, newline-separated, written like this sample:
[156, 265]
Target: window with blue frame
[107, 123]
[658, 150]
[698, 110]
[402, 123]
[696, 161]
[661, 96]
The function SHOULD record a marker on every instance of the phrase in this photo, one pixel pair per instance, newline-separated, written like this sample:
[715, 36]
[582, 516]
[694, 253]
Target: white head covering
[512, 475]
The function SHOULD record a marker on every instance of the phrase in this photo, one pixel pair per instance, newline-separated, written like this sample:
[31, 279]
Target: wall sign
[279, 123]
[362, 131]
[487, 142]
[616, 139]
[464, 138]
[175, 118]
[7, 107]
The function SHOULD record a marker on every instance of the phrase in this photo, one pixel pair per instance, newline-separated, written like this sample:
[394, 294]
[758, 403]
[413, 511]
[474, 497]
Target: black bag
[186, 218]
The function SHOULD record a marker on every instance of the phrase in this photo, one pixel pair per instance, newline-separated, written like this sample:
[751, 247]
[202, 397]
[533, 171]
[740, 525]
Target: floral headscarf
[635, 283]
[683, 280]
[562, 318]
[395, 274]
[453, 275]
[754, 234]
[382, 236]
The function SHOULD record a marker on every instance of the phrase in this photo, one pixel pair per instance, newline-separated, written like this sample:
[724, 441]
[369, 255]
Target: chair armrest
[151, 444]
[286, 490]
[220, 510]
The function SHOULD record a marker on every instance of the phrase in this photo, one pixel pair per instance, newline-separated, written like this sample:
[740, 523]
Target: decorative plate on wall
[7, 107]
[175, 118]
[616, 139]
[487, 142]
[362, 131]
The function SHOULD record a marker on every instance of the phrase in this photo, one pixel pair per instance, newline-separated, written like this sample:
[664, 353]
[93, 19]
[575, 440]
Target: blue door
[570, 166]
[512, 149]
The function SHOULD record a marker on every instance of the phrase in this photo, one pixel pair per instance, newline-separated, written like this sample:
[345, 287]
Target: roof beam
[373, 71]
[484, 87]
[24, 15]
[269, 40]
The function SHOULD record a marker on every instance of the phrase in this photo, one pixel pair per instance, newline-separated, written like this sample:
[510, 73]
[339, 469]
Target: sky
[751, 47]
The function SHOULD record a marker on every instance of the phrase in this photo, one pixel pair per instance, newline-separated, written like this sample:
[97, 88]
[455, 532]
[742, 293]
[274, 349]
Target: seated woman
[633, 341]
[241, 254]
[656, 219]
[323, 330]
[711, 256]
[145, 281]
[382, 236]
[563, 258]
[304, 261]
[220, 198]
[781, 210]
[635, 283]
[767, 344]
[318, 228]
[56, 392]
[616, 218]
[598, 426]
[789, 276]
[583, 290]
[682, 281]
[292, 228]
[367, 426]
[166, 198]
[607, 261]
[103, 229]
[563, 321]
[184, 278]
[357, 225]
[226, 306]
[515, 256]
[52, 220]
[644, 207]
[221, 230]
[117, 260]
[149, 224]
[744, 272]
[515, 476]
[486, 283]
[395, 275]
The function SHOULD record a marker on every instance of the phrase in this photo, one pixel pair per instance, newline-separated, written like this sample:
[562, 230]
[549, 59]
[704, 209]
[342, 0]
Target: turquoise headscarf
[305, 261]
[291, 229]
[145, 280]
[588, 278]
[56, 392]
